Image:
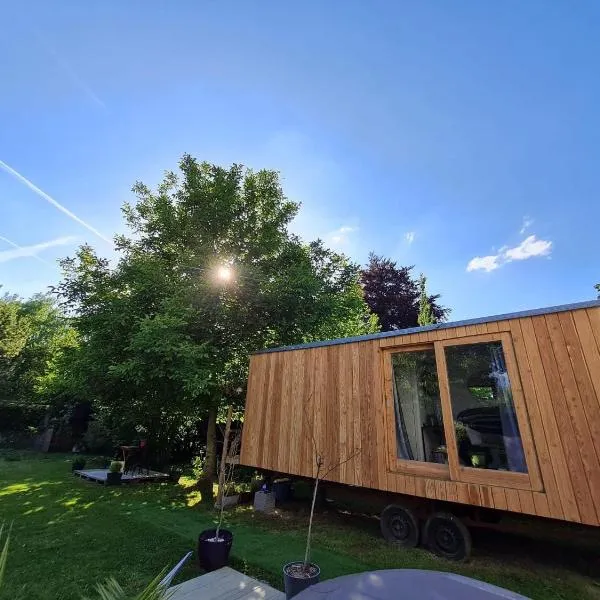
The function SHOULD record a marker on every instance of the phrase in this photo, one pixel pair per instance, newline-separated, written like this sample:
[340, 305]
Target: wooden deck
[224, 584]
[99, 476]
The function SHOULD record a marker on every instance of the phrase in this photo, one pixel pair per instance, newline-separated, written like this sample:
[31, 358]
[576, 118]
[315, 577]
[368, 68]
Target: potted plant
[479, 460]
[300, 574]
[115, 473]
[78, 463]
[214, 545]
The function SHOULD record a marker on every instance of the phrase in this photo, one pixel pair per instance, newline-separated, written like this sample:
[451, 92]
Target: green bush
[198, 465]
[116, 466]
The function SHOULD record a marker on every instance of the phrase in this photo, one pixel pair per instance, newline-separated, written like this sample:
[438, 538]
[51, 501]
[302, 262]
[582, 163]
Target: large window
[487, 431]
[417, 407]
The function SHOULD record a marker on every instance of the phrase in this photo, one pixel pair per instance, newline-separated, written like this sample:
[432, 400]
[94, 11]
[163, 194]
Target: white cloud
[340, 237]
[55, 203]
[33, 250]
[527, 223]
[530, 247]
[484, 263]
[409, 236]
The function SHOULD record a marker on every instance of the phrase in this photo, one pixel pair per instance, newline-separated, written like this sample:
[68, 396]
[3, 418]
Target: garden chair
[136, 458]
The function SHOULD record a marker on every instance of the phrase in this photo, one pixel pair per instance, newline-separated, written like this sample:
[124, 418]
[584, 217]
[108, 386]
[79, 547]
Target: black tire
[446, 535]
[400, 526]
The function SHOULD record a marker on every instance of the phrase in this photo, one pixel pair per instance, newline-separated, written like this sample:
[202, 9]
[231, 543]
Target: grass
[69, 534]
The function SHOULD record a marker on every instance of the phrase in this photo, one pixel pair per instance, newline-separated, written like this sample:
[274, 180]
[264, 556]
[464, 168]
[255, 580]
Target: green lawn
[69, 533]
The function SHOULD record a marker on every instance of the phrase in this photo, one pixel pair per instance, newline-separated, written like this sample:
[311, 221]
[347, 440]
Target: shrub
[198, 463]
[116, 466]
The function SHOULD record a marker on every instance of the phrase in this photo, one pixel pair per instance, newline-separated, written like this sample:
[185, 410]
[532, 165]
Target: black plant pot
[283, 491]
[214, 555]
[294, 584]
[113, 478]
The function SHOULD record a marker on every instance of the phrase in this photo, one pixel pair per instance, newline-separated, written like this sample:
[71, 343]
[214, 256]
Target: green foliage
[461, 431]
[116, 466]
[164, 342]
[426, 316]
[35, 336]
[111, 590]
[198, 464]
[98, 438]
[3, 553]
[597, 288]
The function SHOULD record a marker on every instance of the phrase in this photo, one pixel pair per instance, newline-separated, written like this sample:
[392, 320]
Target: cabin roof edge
[401, 332]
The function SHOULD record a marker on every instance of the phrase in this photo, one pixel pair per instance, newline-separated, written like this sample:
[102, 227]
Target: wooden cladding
[337, 398]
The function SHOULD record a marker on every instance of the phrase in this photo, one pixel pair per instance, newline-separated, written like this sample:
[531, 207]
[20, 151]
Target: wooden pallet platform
[226, 583]
[99, 476]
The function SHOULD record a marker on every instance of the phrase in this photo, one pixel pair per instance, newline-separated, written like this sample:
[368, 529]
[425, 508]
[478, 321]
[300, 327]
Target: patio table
[405, 584]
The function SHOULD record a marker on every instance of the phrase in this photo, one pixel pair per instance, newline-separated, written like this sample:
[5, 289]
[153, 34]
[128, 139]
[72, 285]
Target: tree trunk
[210, 464]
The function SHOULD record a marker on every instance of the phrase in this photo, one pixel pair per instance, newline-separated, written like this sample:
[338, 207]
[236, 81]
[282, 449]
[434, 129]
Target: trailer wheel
[400, 526]
[447, 536]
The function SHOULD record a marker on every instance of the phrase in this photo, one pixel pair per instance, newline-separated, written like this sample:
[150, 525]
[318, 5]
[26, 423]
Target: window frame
[402, 465]
[453, 471]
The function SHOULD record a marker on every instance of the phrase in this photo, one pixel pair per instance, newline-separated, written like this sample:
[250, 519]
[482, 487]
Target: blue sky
[461, 137]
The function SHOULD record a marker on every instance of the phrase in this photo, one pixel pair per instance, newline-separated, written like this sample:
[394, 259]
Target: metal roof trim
[400, 332]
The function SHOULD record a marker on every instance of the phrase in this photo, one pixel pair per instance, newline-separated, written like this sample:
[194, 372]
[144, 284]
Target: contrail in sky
[11, 243]
[52, 201]
[31, 251]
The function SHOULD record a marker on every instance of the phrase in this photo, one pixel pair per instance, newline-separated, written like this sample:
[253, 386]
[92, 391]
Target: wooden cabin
[501, 412]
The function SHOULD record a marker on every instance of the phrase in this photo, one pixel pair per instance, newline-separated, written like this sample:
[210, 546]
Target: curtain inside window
[510, 427]
[402, 440]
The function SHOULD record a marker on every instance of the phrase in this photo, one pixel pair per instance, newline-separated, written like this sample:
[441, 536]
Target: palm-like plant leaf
[4, 553]
[111, 590]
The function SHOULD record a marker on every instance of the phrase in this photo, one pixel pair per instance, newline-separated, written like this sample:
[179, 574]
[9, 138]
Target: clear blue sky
[461, 137]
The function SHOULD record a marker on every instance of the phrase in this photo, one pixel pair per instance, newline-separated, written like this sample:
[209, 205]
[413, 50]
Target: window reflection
[487, 431]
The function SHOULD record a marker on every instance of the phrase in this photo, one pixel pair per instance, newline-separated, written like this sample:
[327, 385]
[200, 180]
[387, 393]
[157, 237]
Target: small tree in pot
[299, 575]
[214, 545]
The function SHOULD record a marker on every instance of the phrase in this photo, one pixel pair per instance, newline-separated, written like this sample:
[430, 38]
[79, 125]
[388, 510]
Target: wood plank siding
[337, 397]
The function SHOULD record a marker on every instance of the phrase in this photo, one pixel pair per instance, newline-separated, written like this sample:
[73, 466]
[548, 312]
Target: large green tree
[35, 337]
[207, 274]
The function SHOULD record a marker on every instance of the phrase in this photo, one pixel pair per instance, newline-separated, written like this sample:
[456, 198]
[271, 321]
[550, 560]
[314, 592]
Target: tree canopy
[394, 296]
[165, 336]
[426, 316]
[34, 336]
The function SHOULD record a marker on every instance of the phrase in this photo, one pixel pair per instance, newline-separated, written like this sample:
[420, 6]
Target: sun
[224, 273]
